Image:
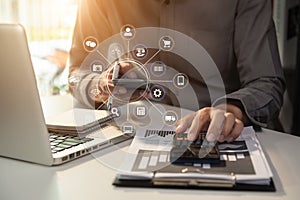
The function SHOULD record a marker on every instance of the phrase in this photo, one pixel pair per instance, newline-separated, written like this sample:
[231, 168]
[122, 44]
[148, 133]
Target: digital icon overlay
[180, 80]
[97, 67]
[157, 92]
[128, 32]
[90, 44]
[140, 52]
[170, 118]
[166, 43]
[158, 69]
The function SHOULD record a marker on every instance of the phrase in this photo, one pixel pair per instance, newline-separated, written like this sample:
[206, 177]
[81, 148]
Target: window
[49, 25]
[43, 19]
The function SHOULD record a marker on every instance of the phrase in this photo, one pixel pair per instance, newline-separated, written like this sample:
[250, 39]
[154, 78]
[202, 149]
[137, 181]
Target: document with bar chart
[242, 159]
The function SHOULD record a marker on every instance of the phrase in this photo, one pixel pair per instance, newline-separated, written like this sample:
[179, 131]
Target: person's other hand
[100, 87]
[224, 122]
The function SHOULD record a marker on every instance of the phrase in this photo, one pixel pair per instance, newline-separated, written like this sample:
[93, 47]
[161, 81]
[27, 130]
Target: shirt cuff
[259, 121]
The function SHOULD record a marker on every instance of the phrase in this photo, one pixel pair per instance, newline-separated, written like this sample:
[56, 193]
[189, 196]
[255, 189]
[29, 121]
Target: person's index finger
[216, 125]
[195, 128]
[200, 119]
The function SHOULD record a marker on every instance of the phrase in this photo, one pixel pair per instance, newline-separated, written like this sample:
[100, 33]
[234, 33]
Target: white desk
[86, 178]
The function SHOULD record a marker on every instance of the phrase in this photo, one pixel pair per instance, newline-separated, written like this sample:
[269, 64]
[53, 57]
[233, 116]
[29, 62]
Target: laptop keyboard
[60, 142]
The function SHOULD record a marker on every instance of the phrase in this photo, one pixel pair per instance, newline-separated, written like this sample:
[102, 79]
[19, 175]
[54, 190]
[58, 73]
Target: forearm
[260, 100]
[237, 111]
[260, 72]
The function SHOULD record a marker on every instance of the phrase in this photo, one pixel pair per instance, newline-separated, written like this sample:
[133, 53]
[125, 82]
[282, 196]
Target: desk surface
[87, 178]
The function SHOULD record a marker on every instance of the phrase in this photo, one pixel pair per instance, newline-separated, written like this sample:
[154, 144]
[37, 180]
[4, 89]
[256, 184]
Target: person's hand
[223, 123]
[101, 86]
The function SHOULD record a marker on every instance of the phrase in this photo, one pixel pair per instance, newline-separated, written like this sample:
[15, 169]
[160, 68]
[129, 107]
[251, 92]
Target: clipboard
[248, 171]
[202, 184]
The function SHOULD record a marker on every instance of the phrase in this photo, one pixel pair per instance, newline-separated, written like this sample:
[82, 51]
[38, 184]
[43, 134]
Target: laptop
[24, 134]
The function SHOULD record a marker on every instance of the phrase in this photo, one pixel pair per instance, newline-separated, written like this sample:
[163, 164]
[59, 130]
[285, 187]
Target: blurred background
[49, 25]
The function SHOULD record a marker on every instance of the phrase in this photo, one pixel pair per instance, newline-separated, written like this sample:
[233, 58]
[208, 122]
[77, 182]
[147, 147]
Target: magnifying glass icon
[115, 111]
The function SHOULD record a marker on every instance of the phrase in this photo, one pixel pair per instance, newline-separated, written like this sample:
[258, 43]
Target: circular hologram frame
[137, 157]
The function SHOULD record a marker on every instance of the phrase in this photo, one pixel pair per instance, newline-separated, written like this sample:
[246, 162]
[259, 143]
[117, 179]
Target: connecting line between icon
[128, 46]
[104, 103]
[154, 106]
[161, 81]
[102, 56]
[128, 112]
[151, 58]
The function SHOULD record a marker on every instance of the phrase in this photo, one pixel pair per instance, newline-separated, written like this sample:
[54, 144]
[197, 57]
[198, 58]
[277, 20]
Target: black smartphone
[131, 83]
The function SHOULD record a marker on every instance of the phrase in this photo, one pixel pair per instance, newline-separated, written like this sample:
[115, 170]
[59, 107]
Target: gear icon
[157, 93]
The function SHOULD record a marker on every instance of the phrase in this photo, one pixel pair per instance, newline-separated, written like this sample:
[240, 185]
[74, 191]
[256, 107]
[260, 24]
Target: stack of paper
[243, 162]
[78, 120]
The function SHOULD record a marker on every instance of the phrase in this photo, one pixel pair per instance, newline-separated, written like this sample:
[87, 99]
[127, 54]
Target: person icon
[128, 32]
[140, 51]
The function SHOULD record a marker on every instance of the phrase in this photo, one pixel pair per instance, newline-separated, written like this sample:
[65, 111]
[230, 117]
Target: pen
[109, 103]
[116, 70]
[115, 75]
